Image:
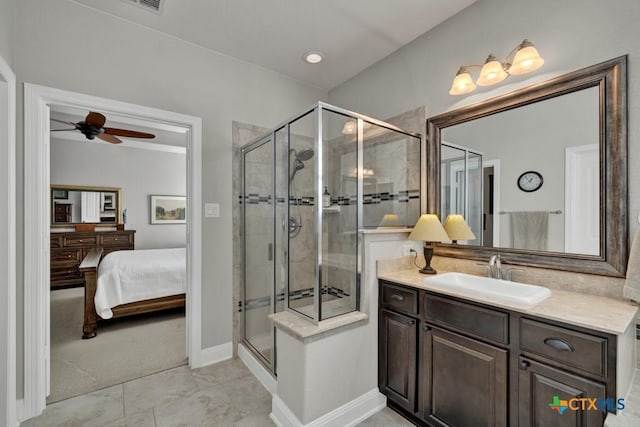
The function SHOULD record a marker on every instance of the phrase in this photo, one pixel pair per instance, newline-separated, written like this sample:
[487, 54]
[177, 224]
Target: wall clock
[530, 181]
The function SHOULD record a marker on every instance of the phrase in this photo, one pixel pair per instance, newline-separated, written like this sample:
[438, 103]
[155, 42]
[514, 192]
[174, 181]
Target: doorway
[38, 101]
[88, 191]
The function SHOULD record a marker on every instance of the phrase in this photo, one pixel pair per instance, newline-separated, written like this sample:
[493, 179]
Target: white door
[90, 206]
[582, 200]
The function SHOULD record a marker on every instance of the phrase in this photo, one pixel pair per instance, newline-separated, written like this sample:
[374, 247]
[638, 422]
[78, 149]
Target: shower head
[305, 155]
[299, 158]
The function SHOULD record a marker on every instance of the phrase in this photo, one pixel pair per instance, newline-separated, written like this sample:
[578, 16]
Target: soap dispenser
[326, 198]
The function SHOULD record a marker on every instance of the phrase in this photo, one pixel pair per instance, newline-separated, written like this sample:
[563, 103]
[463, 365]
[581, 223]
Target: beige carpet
[124, 349]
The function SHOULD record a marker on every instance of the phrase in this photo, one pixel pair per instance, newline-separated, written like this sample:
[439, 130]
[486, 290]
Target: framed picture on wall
[60, 194]
[168, 209]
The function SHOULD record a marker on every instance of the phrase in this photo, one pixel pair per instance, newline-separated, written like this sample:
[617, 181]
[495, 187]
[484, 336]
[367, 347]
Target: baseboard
[349, 414]
[211, 355]
[256, 368]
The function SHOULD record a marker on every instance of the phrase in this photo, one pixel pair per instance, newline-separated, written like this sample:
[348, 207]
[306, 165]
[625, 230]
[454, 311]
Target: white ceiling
[353, 34]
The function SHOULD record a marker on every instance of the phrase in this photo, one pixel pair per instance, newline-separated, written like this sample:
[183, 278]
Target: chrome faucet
[495, 267]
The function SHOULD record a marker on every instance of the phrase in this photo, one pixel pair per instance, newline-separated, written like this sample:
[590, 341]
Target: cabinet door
[540, 385]
[398, 343]
[463, 381]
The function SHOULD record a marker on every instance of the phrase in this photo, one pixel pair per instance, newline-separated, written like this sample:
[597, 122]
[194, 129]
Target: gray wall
[7, 19]
[139, 173]
[570, 34]
[130, 63]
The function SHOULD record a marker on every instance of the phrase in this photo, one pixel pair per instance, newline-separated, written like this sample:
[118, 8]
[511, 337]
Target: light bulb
[492, 72]
[526, 59]
[462, 83]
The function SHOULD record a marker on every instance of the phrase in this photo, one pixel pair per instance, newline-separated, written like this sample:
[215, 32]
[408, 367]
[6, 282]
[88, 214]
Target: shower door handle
[270, 252]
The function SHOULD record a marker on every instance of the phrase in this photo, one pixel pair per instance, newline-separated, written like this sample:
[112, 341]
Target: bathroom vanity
[447, 359]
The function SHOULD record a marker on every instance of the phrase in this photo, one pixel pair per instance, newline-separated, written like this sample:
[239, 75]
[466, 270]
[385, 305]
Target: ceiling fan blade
[63, 121]
[61, 130]
[128, 133]
[95, 119]
[110, 138]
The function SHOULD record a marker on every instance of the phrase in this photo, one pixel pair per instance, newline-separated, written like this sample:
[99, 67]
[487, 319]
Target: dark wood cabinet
[68, 249]
[463, 381]
[62, 212]
[398, 358]
[447, 361]
[541, 385]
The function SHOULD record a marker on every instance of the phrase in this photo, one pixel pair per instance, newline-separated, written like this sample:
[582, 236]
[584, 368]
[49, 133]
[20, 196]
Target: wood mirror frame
[610, 77]
[118, 210]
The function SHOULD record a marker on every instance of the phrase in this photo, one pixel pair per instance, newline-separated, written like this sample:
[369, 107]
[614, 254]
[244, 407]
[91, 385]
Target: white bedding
[129, 276]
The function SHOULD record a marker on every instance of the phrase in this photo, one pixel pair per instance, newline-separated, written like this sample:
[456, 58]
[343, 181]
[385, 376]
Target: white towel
[631, 287]
[529, 230]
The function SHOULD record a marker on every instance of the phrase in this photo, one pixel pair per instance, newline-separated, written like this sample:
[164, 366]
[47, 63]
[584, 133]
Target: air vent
[155, 5]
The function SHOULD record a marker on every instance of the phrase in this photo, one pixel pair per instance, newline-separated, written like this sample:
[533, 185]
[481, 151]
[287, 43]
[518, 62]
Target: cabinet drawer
[478, 321]
[71, 241]
[55, 241]
[62, 272]
[399, 298]
[74, 255]
[117, 239]
[571, 348]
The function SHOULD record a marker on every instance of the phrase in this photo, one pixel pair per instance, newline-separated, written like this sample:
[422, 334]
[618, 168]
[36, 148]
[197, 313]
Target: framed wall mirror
[74, 204]
[539, 174]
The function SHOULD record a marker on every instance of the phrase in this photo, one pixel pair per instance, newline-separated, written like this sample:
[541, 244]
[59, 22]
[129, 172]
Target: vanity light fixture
[430, 230]
[457, 228]
[523, 59]
[313, 57]
[351, 127]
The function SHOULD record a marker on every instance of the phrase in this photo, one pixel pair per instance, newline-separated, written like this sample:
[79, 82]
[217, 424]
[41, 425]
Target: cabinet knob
[397, 297]
[524, 365]
[426, 327]
[411, 322]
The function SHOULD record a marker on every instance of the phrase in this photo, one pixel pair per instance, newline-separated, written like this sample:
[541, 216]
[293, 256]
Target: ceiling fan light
[462, 83]
[526, 59]
[492, 72]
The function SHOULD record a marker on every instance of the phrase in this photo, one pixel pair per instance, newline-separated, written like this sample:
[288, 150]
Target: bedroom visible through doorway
[126, 200]
[39, 103]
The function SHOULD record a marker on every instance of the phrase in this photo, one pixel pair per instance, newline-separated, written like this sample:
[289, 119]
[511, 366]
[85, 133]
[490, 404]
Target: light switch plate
[212, 210]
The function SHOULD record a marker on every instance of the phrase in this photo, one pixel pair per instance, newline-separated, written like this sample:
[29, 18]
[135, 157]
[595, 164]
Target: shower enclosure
[309, 186]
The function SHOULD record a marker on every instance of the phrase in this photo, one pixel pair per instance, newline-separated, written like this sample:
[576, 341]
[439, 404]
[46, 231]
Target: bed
[129, 282]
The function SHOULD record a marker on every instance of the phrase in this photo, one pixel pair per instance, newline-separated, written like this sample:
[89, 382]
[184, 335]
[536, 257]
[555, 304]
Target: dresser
[68, 249]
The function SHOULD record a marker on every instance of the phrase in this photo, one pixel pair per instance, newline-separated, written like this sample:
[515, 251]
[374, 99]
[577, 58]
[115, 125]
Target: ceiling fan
[93, 126]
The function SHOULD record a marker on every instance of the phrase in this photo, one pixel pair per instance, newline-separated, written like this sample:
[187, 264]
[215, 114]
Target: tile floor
[224, 394]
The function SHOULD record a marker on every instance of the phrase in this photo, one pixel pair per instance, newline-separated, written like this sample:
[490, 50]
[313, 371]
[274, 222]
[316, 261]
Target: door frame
[37, 100]
[8, 408]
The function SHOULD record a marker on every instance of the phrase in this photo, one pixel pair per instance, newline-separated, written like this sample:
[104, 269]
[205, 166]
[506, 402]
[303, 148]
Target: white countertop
[589, 311]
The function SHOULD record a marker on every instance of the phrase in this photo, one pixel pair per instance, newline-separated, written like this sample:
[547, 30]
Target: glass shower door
[258, 212]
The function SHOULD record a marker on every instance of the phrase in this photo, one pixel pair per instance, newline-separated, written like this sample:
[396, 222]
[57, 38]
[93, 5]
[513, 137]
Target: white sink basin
[500, 291]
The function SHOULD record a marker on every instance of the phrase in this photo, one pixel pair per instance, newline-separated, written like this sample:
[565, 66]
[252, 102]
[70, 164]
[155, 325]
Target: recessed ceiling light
[313, 57]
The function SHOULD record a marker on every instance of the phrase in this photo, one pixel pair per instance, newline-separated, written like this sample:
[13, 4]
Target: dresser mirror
[73, 204]
[539, 174]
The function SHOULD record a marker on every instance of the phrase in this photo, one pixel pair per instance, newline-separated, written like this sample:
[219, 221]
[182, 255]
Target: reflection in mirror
[89, 205]
[541, 173]
[461, 187]
[556, 138]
